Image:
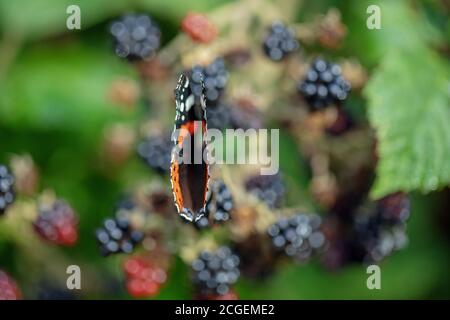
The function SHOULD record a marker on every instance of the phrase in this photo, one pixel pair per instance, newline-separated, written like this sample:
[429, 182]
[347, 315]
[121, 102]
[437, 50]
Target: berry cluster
[219, 116]
[323, 85]
[280, 42]
[214, 272]
[268, 188]
[57, 223]
[299, 236]
[117, 236]
[381, 229]
[156, 152]
[6, 188]
[8, 288]
[136, 37]
[214, 77]
[143, 278]
[219, 204]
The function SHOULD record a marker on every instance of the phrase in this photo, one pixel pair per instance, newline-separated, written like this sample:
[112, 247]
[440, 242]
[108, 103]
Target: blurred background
[85, 118]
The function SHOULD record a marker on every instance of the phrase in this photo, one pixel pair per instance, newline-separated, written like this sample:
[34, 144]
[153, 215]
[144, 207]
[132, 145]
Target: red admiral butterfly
[190, 178]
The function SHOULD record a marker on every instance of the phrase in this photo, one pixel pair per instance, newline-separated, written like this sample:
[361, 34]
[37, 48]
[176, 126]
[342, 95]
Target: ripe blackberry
[245, 115]
[280, 42]
[269, 189]
[299, 236]
[8, 288]
[214, 77]
[6, 188]
[219, 117]
[136, 37]
[142, 277]
[57, 223]
[219, 205]
[117, 236]
[380, 229]
[156, 152]
[215, 272]
[256, 245]
[323, 85]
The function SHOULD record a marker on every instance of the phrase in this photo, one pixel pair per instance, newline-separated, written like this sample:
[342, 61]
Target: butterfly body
[189, 170]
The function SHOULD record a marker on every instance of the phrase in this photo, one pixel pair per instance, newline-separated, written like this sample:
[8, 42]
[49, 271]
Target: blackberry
[215, 272]
[219, 204]
[256, 245]
[6, 189]
[143, 278]
[279, 42]
[219, 117]
[136, 37]
[395, 207]
[380, 228]
[245, 115]
[269, 188]
[199, 28]
[57, 223]
[323, 85]
[8, 288]
[156, 152]
[299, 236]
[214, 77]
[117, 236]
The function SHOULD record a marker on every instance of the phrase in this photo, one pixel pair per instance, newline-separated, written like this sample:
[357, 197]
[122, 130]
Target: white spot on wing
[190, 102]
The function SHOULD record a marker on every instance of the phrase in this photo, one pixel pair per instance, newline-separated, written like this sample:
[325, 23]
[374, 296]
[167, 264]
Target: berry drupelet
[268, 188]
[136, 37]
[156, 151]
[219, 205]
[6, 188]
[214, 76]
[215, 272]
[299, 236]
[279, 42]
[380, 229]
[57, 223]
[8, 288]
[323, 85]
[117, 236]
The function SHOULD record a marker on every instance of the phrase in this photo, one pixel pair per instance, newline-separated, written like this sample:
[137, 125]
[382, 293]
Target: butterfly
[189, 169]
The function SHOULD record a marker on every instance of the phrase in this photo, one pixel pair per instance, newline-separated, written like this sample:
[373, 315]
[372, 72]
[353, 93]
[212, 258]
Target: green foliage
[36, 19]
[68, 90]
[409, 104]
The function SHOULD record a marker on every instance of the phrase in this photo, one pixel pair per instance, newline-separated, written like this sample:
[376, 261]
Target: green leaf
[40, 18]
[409, 106]
[62, 87]
[401, 26]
